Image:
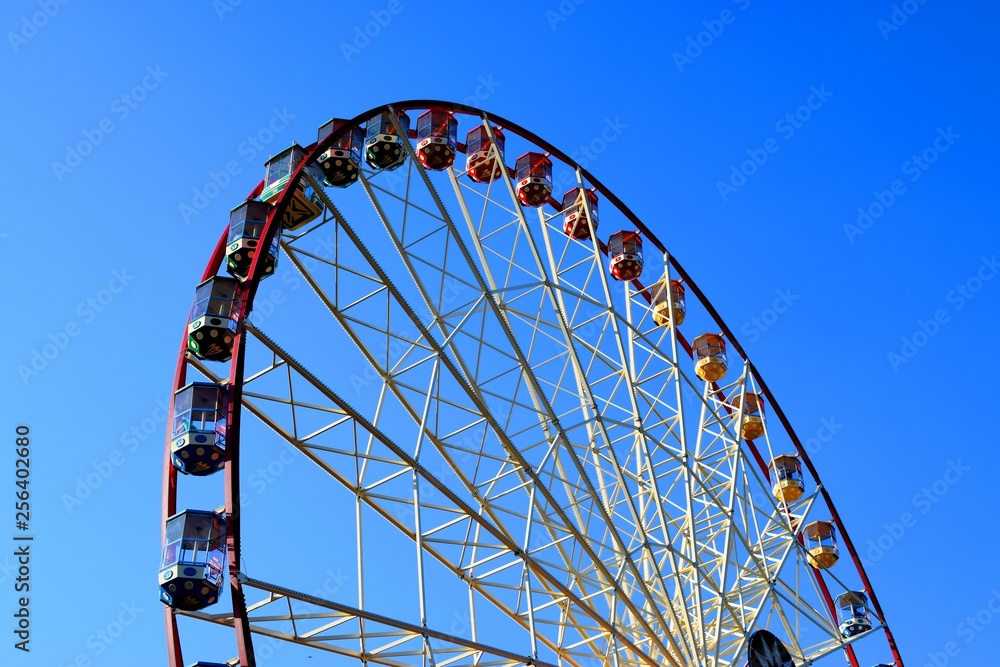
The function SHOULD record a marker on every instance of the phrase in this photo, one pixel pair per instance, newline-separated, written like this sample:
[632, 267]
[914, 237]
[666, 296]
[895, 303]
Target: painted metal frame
[610, 564]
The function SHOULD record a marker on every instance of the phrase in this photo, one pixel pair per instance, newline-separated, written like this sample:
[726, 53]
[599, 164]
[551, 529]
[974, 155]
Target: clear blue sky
[836, 163]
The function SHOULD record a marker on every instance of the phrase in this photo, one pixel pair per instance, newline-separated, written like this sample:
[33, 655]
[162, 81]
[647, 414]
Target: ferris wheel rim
[255, 274]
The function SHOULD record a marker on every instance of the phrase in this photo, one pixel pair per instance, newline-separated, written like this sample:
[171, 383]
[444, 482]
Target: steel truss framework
[531, 431]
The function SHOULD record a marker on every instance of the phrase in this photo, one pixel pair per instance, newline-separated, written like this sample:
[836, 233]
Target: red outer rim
[245, 296]
[169, 506]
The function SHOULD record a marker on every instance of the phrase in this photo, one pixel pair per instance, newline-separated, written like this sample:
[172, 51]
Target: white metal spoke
[468, 383]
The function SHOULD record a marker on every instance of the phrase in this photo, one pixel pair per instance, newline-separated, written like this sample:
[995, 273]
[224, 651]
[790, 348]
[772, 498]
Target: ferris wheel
[477, 414]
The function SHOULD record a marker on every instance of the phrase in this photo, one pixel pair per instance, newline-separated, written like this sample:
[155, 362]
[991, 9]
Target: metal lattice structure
[469, 380]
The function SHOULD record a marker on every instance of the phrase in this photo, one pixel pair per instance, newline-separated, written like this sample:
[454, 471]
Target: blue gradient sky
[825, 173]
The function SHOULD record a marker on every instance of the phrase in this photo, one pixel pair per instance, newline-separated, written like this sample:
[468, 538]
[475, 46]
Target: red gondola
[534, 178]
[480, 162]
[575, 213]
[625, 249]
[436, 139]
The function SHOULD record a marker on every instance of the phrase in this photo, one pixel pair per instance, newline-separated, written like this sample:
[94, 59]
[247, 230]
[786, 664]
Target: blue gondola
[198, 435]
[852, 609]
[194, 552]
